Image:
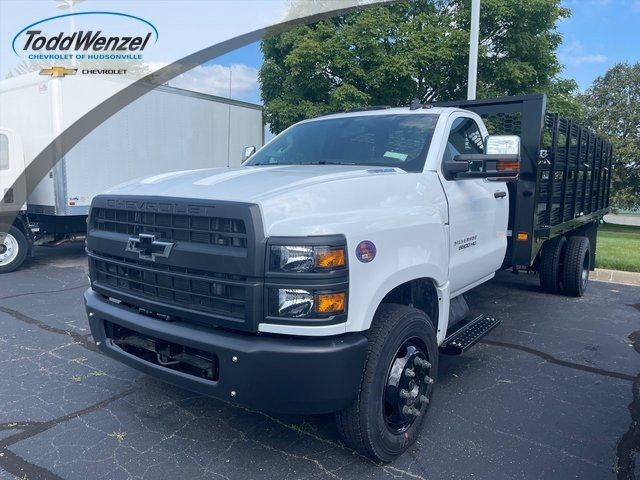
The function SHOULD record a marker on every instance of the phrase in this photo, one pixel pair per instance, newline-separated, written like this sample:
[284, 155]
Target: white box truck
[328, 271]
[164, 130]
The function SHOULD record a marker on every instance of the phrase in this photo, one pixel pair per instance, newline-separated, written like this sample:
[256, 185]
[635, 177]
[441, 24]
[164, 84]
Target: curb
[615, 276]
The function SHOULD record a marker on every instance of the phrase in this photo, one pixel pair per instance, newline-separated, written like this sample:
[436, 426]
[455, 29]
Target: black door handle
[500, 194]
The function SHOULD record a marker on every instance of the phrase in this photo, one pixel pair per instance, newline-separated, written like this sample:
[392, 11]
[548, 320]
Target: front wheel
[401, 368]
[13, 248]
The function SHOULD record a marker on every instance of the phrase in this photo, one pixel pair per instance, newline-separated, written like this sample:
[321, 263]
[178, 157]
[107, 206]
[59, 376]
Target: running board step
[468, 335]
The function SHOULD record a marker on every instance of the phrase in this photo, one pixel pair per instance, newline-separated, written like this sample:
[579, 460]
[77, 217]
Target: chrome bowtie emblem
[148, 248]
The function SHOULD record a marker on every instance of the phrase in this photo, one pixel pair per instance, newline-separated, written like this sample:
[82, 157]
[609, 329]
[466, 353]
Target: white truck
[327, 273]
[166, 129]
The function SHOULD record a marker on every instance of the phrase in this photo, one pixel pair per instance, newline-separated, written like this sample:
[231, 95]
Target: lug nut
[424, 400]
[404, 394]
[421, 363]
[410, 373]
[428, 380]
[407, 410]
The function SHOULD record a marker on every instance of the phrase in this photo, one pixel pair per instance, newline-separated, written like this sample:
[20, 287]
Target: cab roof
[385, 111]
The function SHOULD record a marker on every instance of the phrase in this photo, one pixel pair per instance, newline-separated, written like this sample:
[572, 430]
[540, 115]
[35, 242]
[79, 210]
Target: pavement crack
[629, 444]
[563, 363]
[301, 431]
[21, 468]
[84, 285]
[77, 337]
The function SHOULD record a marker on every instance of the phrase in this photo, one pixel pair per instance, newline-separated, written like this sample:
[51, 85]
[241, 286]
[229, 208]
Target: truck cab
[323, 275]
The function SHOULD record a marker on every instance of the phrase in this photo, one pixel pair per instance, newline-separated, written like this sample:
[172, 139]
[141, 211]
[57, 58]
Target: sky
[598, 34]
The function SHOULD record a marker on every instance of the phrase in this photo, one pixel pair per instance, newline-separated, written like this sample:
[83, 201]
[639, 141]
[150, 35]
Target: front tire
[577, 266]
[386, 417]
[13, 248]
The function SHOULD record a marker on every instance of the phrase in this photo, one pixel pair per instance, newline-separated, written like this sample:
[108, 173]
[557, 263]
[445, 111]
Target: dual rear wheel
[565, 264]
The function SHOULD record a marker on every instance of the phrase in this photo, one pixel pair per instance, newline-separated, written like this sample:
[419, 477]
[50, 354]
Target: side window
[464, 137]
[4, 152]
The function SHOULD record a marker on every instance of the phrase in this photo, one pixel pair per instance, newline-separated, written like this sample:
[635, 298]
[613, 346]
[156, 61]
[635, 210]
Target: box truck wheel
[576, 266]
[386, 417]
[13, 248]
[551, 263]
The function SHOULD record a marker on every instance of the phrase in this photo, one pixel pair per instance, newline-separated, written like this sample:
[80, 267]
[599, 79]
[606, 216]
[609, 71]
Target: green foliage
[391, 54]
[612, 108]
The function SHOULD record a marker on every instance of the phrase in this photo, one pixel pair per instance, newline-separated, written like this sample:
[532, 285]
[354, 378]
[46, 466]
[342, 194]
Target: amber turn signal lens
[506, 165]
[522, 236]
[330, 302]
[330, 258]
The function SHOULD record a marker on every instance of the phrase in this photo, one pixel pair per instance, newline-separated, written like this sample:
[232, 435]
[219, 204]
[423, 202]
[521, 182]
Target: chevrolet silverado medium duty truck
[328, 272]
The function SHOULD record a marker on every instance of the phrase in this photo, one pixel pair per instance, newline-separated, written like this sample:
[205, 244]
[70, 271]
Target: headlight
[306, 259]
[293, 302]
[298, 303]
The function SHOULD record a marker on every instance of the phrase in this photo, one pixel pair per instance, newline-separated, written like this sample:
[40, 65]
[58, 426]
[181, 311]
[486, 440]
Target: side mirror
[500, 161]
[247, 152]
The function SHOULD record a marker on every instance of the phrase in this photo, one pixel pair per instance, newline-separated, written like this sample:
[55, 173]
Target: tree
[391, 54]
[612, 108]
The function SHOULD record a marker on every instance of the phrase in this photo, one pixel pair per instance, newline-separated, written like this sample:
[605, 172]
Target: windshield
[379, 140]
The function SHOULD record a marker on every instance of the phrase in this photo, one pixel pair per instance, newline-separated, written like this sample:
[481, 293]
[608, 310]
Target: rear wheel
[13, 248]
[551, 263]
[397, 384]
[576, 266]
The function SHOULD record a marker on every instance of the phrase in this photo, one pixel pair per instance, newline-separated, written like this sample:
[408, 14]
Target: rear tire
[576, 266]
[13, 248]
[551, 263]
[376, 424]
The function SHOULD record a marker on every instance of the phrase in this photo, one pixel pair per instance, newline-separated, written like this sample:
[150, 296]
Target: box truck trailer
[165, 130]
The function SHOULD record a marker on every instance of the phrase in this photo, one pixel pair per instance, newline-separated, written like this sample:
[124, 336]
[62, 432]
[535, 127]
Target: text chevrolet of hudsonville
[327, 273]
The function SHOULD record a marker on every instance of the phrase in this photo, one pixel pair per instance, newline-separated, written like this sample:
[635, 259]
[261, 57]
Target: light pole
[473, 49]
[68, 5]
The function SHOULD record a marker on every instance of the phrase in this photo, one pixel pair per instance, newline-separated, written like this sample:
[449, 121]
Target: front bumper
[275, 374]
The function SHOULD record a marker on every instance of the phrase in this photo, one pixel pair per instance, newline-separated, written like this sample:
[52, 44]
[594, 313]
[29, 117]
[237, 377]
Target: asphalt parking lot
[548, 395]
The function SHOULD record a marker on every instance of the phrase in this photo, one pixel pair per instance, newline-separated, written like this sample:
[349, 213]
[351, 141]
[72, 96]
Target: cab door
[13, 186]
[478, 210]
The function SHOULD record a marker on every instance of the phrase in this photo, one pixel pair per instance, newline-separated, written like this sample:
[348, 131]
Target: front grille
[211, 275]
[207, 292]
[228, 232]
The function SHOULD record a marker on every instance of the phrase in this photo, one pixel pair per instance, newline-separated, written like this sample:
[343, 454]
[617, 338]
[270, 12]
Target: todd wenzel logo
[102, 36]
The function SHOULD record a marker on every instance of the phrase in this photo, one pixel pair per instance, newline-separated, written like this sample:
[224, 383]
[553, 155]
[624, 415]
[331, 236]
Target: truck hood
[302, 200]
[244, 184]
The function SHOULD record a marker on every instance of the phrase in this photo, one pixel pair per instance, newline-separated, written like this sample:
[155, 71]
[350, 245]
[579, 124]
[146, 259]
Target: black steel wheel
[577, 266]
[551, 264]
[397, 384]
[408, 386]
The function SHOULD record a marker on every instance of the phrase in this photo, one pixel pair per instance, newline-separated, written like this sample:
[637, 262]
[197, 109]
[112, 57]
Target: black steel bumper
[276, 374]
